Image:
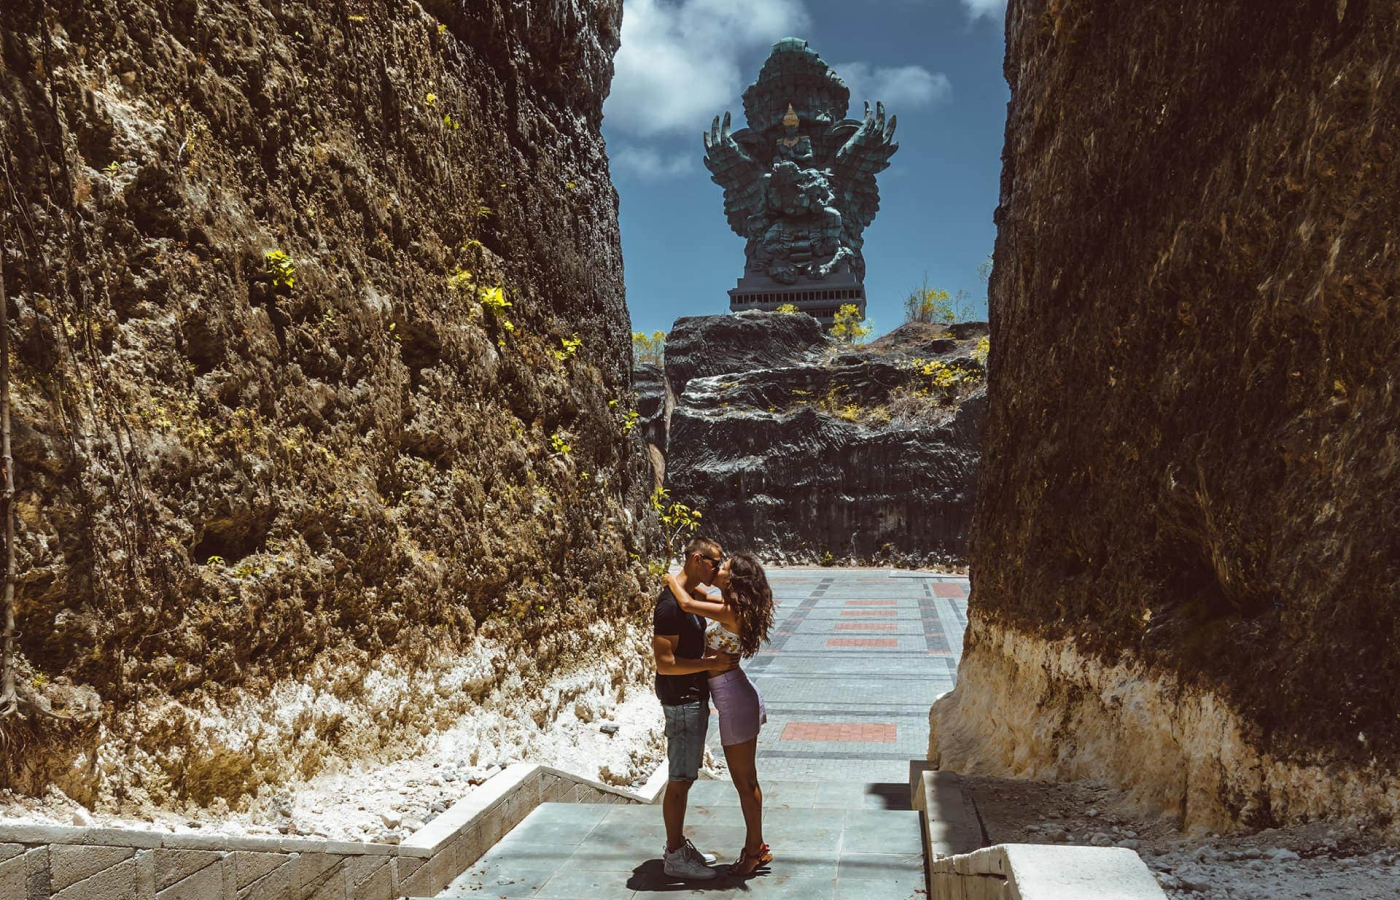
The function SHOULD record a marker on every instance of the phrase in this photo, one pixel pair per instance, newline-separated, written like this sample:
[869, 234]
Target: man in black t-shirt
[682, 685]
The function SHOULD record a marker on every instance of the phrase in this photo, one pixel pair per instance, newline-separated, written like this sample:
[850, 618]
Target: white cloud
[898, 86]
[679, 61]
[650, 164]
[990, 9]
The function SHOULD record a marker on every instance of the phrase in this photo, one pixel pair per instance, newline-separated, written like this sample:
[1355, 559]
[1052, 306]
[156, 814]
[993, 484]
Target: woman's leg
[743, 769]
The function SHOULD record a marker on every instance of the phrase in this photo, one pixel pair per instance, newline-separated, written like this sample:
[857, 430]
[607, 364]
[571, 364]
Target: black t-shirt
[676, 690]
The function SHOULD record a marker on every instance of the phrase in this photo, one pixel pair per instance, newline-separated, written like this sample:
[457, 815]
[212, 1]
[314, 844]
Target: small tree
[928, 305]
[678, 521]
[847, 326]
[933, 305]
[649, 348]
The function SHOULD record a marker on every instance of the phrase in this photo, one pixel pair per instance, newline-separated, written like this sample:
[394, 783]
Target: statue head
[790, 124]
[794, 79]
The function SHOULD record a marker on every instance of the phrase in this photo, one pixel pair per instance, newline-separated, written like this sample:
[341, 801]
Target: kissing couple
[698, 641]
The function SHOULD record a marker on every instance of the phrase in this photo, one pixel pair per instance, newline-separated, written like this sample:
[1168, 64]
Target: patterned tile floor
[847, 711]
[815, 672]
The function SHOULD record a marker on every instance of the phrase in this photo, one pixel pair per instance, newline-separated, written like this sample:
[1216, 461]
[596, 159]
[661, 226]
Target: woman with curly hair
[739, 624]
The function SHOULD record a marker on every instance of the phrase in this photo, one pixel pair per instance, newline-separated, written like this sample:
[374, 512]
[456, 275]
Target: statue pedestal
[819, 299]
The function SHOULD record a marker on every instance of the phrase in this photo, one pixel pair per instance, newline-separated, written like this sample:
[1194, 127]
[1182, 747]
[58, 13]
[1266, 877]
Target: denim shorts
[685, 739]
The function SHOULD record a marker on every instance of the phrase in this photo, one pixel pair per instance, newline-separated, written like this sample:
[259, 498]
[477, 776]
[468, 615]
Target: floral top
[717, 637]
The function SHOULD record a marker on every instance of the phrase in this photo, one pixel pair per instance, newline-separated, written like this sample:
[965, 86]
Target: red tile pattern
[870, 613]
[871, 602]
[866, 626]
[949, 589]
[862, 642]
[854, 732]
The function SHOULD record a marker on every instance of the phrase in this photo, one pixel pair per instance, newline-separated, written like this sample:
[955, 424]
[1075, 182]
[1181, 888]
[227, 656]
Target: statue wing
[864, 154]
[734, 169]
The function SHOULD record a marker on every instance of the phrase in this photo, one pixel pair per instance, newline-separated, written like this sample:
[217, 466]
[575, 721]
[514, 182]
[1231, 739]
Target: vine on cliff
[12, 701]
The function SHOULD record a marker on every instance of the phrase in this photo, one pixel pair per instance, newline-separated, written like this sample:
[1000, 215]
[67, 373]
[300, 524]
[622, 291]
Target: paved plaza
[855, 660]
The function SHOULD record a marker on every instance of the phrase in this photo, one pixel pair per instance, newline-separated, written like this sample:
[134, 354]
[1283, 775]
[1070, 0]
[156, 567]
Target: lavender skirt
[741, 709]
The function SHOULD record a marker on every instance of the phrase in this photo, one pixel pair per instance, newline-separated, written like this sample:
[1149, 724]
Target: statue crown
[791, 117]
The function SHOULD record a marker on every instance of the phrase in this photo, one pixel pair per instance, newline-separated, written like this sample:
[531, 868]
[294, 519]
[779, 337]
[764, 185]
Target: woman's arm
[706, 607]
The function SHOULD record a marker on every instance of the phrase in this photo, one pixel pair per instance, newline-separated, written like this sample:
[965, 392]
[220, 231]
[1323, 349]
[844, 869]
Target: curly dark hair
[749, 595]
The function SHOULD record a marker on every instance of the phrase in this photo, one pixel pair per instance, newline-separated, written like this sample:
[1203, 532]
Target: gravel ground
[1318, 860]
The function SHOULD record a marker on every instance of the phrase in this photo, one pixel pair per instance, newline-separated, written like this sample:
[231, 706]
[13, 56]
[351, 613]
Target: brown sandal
[746, 865]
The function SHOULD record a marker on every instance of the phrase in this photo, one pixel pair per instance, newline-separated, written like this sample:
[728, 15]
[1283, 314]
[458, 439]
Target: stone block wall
[59, 863]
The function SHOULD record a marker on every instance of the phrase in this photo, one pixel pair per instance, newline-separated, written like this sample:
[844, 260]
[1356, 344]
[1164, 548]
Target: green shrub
[282, 268]
[570, 347]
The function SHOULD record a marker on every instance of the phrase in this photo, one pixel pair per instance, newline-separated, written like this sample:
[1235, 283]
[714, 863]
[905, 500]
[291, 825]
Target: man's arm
[663, 647]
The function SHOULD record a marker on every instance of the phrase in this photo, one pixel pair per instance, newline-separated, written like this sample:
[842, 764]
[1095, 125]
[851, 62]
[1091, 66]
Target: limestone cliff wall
[1185, 556]
[272, 521]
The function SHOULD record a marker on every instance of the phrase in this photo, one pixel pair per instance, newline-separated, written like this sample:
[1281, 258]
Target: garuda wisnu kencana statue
[799, 182]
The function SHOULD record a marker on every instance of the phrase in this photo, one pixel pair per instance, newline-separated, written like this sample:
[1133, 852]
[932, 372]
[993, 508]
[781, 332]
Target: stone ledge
[948, 818]
[1043, 872]
[68, 834]
[296, 868]
[656, 784]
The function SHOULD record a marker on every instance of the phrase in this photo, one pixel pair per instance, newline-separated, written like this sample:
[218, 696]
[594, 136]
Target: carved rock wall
[802, 449]
[1191, 446]
[653, 410]
[274, 524]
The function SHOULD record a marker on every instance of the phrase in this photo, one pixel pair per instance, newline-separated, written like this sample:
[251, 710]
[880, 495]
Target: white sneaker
[708, 859]
[687, 863]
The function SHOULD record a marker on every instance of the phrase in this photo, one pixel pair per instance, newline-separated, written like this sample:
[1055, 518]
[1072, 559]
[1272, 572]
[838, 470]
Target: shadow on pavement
[651, 877]
[894, 794]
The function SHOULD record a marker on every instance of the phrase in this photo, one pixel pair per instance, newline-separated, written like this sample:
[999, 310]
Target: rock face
[649, 386]
[1191, 474]
[252, 491]
[801, 448]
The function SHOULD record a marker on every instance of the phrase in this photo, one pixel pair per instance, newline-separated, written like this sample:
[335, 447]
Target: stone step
[582, 852]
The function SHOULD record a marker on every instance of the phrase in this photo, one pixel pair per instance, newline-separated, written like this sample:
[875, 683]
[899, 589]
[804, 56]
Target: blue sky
[935, 63]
